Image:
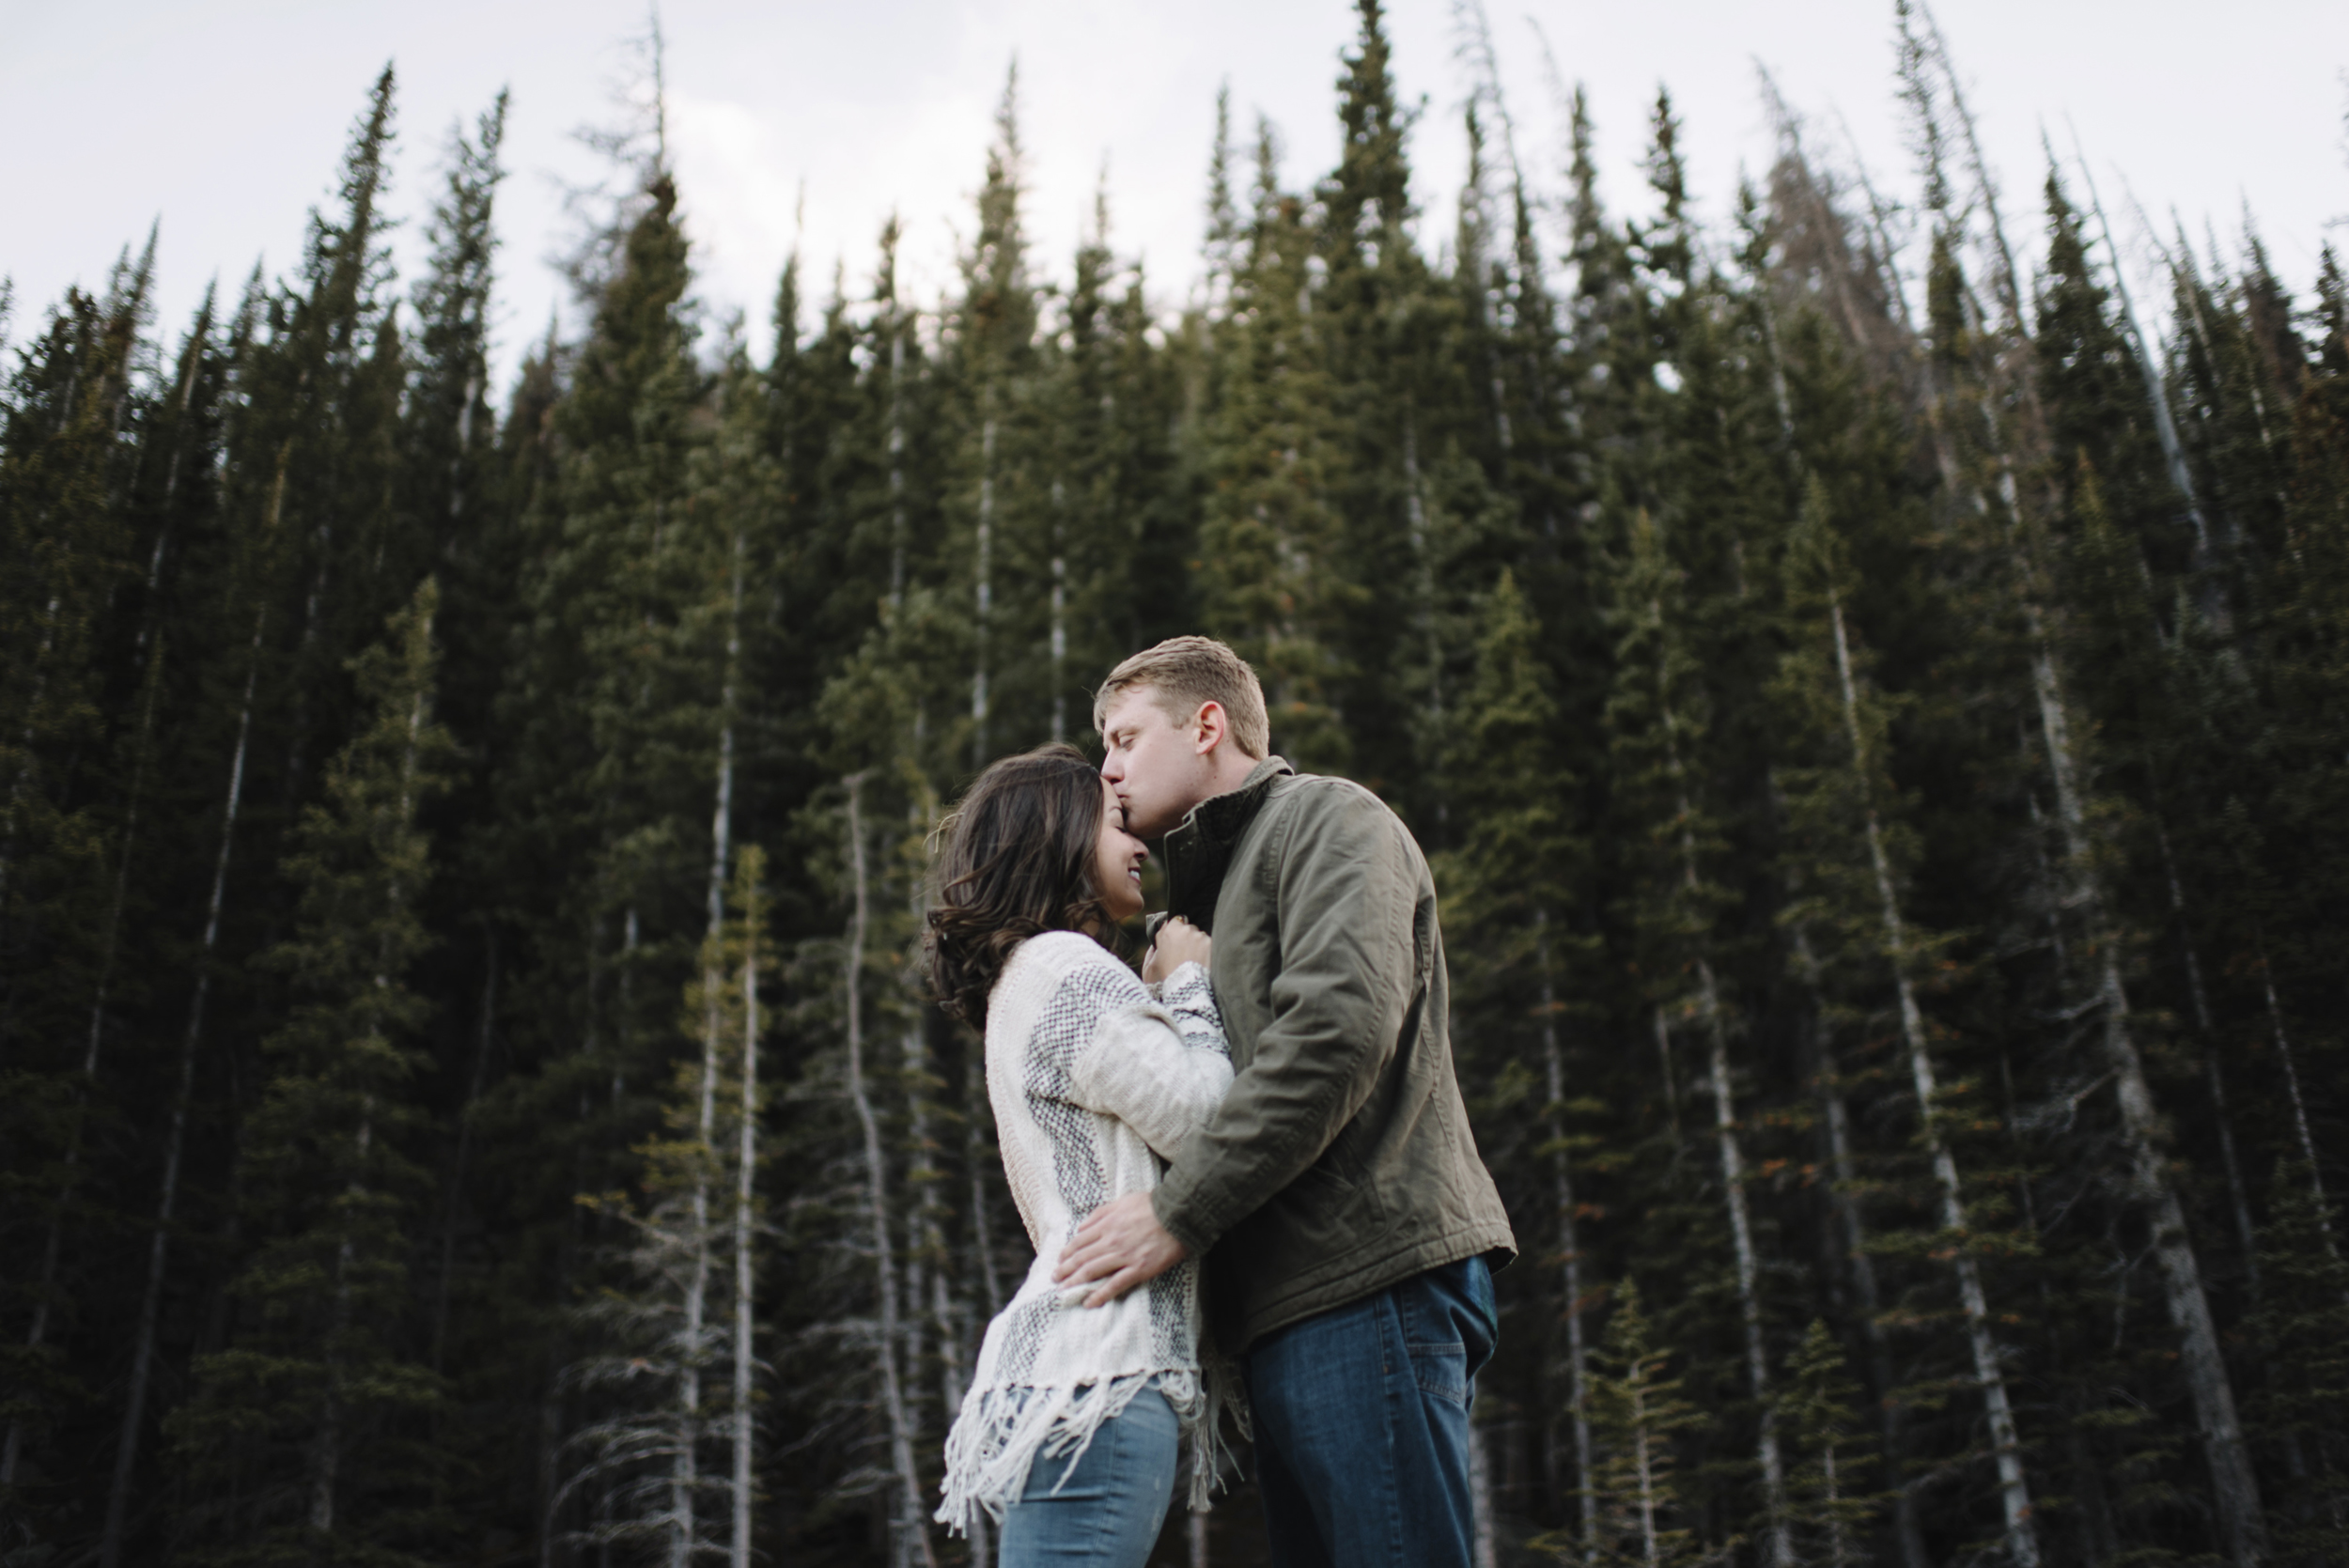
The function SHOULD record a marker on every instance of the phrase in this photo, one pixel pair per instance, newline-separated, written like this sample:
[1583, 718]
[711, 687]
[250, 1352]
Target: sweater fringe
[1001, 1432]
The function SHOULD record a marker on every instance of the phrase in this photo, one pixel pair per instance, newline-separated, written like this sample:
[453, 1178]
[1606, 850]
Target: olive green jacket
[1340, 1162]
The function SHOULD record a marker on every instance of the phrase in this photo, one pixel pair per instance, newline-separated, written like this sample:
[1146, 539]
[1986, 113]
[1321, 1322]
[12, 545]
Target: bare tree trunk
[2005, 277]
[1641, 1442]
[1569, 1239]
[910, 1532]
[687, 1478]
[1059, 636]
[176, 1140]
[2022, 1541]
[2165, 423]
[1664, 1060]
[549, 1447]
[929, 1314]
[745, 1193]
[984, 595]
[975, 1156]
[897, 461]
[1836, 1119]
[2299, 1106]
[1423, 612]
[1777, 1550]
[2235, 1488]
[2237, 1193]
[934, 1295]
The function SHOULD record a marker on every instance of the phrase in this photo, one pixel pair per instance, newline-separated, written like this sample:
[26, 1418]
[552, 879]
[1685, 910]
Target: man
[1338, 1188]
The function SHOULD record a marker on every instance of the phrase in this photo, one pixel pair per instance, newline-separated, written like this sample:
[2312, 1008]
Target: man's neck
[1222, 779]
[1232, 770]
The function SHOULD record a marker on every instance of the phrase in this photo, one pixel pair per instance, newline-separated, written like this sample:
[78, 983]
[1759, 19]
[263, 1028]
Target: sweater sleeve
[1159, 1065]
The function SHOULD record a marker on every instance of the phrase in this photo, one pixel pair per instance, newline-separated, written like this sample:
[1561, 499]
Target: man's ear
[1214, 727]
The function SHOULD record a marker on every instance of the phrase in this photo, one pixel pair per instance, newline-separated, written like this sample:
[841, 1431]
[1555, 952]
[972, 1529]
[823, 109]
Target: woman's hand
[1179, 943]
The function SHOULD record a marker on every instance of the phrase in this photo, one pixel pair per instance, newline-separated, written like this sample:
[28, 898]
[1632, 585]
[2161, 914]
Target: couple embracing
[1247, 1174]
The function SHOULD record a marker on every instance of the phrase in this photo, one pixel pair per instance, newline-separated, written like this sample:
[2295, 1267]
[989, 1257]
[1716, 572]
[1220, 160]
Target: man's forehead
[1137, 708]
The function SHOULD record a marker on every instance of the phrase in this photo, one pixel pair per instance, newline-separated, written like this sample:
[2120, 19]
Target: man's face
[1153, 761]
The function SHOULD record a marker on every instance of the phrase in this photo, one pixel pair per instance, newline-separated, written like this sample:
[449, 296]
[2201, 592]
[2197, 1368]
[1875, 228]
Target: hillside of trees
[1875, 695]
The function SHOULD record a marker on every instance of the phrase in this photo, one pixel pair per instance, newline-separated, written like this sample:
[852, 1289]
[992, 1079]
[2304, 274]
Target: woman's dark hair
[1019, 858]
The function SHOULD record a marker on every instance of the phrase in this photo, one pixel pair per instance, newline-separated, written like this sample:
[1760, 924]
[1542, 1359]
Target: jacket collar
[1199, 849]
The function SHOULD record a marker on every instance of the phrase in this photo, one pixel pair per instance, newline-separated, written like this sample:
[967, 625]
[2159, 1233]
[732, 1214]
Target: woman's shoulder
[1052, 961]
[1056, 954]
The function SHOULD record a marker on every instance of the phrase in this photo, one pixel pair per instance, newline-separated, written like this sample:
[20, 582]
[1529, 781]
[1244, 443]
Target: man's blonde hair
[1187, 672]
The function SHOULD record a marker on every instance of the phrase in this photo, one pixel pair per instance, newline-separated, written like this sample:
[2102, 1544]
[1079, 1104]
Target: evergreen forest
[1874, 689]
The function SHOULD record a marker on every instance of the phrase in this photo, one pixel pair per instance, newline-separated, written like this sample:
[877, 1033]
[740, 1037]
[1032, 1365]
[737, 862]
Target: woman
[1070, 1430]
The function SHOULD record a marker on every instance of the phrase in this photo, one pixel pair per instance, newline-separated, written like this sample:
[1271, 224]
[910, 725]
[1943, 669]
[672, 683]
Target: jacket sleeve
[1347, 900]
[1161, 1067]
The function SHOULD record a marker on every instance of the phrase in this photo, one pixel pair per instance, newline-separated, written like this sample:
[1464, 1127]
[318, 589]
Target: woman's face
[1118, 859]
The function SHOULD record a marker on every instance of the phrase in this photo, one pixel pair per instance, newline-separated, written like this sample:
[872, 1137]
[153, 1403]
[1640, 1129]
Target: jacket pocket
[1317, 1220]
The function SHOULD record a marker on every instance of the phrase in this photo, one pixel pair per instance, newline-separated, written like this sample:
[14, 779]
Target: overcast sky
[225, 118]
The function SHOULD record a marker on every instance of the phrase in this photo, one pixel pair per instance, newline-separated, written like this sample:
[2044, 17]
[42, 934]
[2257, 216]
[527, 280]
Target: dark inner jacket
[1340, 1162]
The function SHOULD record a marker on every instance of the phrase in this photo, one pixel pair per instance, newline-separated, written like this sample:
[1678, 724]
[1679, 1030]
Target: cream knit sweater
[1095, 1081]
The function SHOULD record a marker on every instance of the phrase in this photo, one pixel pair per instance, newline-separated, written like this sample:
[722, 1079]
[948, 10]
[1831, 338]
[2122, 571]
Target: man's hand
[1122, 1245]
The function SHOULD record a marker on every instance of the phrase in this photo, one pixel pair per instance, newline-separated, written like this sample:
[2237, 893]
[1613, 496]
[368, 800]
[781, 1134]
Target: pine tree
[1854, 861]
[1827, 1512]
[300, 1435]
[66, 473]
[222, 637]
[449, 434]
[1658, 725]
[1516, 890]
[2301, 1325]
[609, 706]
[1269, 532]
[1994, 422]
[1377, 318]
[1637, 1415]
[997, 478]
[697, 1199]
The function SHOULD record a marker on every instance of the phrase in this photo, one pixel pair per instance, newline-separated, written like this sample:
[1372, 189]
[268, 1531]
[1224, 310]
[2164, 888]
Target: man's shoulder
[1318, 806]
[1325, 791]
[1319, 795]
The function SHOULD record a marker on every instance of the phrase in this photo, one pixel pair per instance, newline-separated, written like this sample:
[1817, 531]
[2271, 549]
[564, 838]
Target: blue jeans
[1104, 1508]
[1362, 1424]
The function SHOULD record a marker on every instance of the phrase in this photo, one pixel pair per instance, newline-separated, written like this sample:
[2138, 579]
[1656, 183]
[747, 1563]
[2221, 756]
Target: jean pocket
[1481, 1328]
[1440, 1370]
